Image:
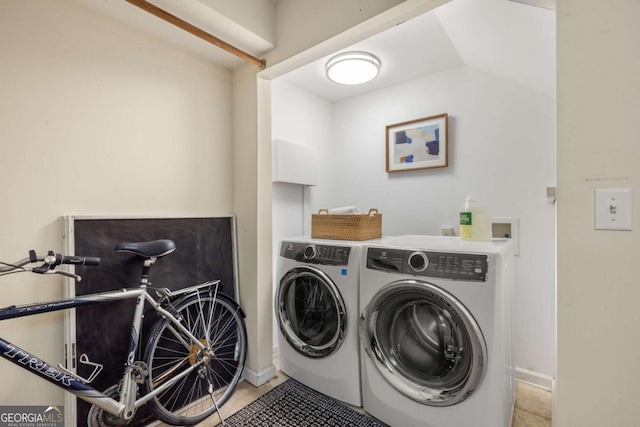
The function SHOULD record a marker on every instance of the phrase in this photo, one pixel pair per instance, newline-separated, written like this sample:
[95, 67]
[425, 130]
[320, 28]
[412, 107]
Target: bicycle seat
[152, 249]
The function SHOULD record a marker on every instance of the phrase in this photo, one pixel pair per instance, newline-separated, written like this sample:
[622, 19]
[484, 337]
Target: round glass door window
[310, 311]
[424, 342]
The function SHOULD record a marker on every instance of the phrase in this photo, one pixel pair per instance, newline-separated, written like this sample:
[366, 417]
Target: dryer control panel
[444, 265]
[316, 254]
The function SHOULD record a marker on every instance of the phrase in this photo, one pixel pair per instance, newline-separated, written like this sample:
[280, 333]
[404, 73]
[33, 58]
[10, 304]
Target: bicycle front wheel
[217, 322]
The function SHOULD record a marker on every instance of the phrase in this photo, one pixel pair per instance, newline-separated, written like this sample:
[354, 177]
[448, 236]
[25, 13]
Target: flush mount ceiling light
[353, 68]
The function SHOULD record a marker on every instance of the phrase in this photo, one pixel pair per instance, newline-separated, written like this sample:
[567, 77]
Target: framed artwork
[418, 144]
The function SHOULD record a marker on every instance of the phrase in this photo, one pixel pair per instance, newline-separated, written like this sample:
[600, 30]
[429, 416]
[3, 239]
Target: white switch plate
[613, 208]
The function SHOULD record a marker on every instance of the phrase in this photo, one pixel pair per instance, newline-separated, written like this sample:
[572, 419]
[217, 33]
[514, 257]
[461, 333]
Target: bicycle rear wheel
[217, 322]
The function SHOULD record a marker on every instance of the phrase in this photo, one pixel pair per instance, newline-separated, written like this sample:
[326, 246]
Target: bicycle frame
[126, 407]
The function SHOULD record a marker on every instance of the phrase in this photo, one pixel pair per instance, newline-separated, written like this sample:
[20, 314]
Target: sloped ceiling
[504, 38]
[509, 39]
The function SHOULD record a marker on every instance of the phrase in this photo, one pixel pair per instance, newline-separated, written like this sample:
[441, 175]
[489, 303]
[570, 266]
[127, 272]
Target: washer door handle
[446, 337]
[376, 354]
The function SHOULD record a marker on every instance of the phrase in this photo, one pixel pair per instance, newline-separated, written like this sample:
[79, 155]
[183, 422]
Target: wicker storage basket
[346, 227]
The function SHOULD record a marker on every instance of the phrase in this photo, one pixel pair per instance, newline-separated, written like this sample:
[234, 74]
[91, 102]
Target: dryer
[436, 332]
[316, 309]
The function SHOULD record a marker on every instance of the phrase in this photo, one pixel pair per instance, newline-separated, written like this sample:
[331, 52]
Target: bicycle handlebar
[57, 259]
[52, 260]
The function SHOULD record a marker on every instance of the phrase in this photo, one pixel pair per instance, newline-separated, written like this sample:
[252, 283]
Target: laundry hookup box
[325, 225]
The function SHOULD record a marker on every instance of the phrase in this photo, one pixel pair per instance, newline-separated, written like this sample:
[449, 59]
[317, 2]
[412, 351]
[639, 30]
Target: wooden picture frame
[418, 144]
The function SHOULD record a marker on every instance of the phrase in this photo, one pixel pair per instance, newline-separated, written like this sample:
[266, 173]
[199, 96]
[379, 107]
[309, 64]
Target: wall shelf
[294, 163]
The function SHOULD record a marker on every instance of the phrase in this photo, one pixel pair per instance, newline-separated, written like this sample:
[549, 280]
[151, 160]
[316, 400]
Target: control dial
[418, 261]
[310, 252]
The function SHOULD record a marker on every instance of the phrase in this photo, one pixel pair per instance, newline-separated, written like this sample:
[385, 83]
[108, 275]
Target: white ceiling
[507, 39]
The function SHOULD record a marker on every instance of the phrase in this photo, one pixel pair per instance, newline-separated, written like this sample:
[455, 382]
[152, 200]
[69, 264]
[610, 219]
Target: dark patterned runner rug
[292, 404]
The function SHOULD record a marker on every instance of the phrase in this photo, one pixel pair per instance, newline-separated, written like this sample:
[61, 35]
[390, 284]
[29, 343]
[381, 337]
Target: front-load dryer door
[310, 311]
[424, 342]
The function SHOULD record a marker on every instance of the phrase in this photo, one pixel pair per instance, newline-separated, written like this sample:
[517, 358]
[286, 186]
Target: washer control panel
[445, 265]
[316, 254]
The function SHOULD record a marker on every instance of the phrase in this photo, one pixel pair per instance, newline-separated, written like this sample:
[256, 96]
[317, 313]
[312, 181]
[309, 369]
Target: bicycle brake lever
[67, 274]
[48, 269]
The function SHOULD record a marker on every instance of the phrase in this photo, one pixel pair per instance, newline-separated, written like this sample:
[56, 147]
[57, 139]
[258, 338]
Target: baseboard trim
[534, 378]
[259, 378]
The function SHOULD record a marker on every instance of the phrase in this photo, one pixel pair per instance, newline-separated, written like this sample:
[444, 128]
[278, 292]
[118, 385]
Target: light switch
[613, 208]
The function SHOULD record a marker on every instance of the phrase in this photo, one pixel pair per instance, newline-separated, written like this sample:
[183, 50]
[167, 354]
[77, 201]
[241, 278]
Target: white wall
[305, 119]
[502, 142]
[598, 147]
[95, 119]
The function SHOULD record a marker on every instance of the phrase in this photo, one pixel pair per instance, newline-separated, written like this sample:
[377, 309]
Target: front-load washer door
[424, 342]
[310, 311]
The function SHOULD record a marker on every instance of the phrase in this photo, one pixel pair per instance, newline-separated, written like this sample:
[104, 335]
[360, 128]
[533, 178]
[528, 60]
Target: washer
[316, 308]
[435, 329]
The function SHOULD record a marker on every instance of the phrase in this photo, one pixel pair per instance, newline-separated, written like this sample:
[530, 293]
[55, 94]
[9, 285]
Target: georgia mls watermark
[31, 416]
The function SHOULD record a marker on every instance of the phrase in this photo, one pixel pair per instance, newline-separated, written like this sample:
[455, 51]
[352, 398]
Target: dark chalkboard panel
[205, 250]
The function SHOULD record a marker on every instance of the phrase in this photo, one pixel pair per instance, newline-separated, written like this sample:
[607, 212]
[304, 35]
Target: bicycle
[193, 356]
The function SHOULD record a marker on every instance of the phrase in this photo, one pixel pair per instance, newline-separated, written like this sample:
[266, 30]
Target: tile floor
[533, 404]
